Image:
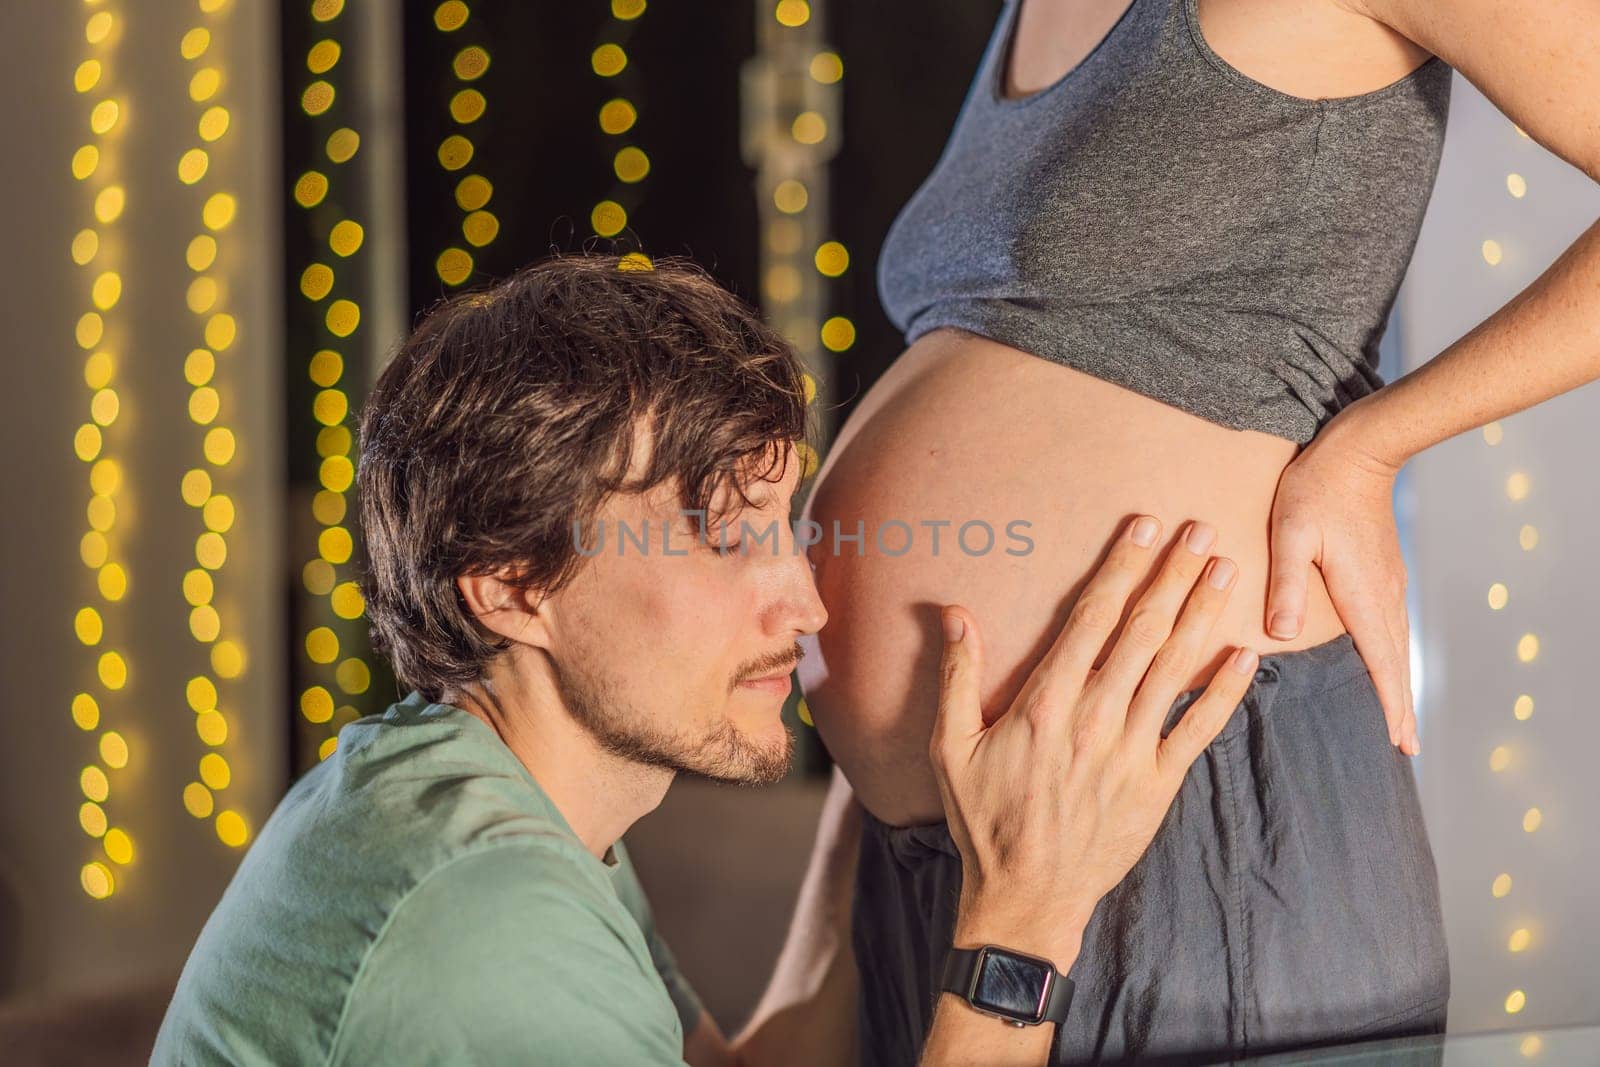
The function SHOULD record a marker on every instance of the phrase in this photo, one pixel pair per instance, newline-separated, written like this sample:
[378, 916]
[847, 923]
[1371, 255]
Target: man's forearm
[1544, 342]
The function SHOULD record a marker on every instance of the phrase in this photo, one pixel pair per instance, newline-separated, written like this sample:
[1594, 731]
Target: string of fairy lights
[207, 300]
[619, 117]
[98, 249]
[1503, 757]
[479, 225]
[321, 191]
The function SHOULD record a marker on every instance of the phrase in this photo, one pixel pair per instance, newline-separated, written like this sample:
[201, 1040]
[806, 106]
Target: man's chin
[743, 757]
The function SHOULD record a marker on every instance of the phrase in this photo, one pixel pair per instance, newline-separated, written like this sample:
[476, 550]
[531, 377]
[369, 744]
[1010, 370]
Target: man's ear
[523, 615]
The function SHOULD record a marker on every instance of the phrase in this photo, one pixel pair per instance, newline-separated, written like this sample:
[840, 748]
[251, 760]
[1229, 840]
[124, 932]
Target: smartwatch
[1020, 989]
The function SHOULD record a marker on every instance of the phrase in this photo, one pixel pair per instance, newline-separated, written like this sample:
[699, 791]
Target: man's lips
[770, 683]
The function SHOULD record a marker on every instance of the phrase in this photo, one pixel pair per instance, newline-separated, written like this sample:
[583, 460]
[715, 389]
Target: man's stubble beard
[723, 754]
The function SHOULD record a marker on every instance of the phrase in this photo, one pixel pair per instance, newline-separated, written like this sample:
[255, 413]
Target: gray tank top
[1162, 221]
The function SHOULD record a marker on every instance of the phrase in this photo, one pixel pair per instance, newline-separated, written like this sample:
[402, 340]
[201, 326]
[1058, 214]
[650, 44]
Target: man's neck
[599, 793]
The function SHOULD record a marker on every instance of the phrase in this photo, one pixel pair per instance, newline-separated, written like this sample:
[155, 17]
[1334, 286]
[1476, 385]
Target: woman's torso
[1238, 363]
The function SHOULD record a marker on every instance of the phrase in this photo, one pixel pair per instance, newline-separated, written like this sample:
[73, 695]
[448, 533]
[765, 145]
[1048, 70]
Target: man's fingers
[1369, 630]
[1294, 549]
[1151, 621]
[1206, 717]
[1099, 607]
[960, 715]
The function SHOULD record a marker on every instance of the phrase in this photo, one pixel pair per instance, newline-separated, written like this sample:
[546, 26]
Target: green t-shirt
[416, 898]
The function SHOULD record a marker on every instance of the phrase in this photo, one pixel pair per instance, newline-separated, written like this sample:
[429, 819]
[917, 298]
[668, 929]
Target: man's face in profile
[678, 653]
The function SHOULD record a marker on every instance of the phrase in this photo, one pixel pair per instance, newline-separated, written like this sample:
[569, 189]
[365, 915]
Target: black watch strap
[960, 963]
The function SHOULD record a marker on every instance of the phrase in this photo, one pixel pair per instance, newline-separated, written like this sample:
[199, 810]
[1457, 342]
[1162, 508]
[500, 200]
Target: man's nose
[805, 611]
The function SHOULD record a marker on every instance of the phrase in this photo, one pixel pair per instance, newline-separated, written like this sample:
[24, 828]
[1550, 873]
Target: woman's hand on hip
[1053, 803]
[1334, 508]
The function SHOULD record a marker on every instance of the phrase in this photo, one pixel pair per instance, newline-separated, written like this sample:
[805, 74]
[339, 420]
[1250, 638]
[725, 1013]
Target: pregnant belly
[961, 436]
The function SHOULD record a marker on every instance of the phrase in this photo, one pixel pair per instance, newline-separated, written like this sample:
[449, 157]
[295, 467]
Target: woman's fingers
[1363, 611]
[1176, 660]
[959, 720]
[1150, 623]
[1204, 718]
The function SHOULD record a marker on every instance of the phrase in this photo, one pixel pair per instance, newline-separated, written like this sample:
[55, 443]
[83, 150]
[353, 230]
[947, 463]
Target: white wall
[52, 935]
[1463, 536]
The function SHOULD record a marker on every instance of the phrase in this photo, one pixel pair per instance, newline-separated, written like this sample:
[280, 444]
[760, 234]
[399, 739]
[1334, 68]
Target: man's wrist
[1052, 934]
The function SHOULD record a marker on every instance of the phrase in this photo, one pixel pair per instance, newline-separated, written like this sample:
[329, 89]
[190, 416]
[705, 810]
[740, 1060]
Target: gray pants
[1288, 900]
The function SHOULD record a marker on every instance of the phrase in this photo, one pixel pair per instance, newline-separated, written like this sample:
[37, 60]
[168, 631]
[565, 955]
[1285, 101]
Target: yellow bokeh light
[345, 238]
[473, 192]
[85, 244]
[322, 645]
[310, 189]
[231, 829]
[201, 693]
[113, 750]
[1492, 252]
[635, 261]
[342, 318]
[101, 513]
[326, 367]
[326, 10]
[92, 817]
[318, 576]
[838, 334]
[85, 712]
[617, 116]
[87, 76]
[118, 846]
[218, 446]
[316, 281]
[328, 507]
[201, 253]
[467, 106]
[1517, 486]
[782, 283]
[480, 228]
[1523, 707]
[105, 476]
[88, 626]
[205, 83]
[214, 771]
[211, 727]
[470, 63]
[1517, 185]
[1527, 648]
[343, 144]
[1528, 538]
[627, 10]
[221, 330]
[608, 218]
[809, 128]
[197, 800]
[198, 366]
[192, 165]
[608, 60]
[1516, 1001]
[327, 748]
[1501, 886]
[94, 783]
[454, 266]
[104, 116]
[333, 441]
[113, 582]
[197, 586]
[330, 407]
[98, 370]
[218, 513]
[316, 704]
[107, 290]
[450, 15]
[346, 601]
[455, 152]
[195, 487]
[1531, 820]
[353, 676]
[317, 98]
[98, 28]
[792, 13]
[213, 123]
[210, 551]
[334, 544]
[227, 659]
[104, 406]
[218, 211]
[809, 460]
[195, 43]
[109, 202]
[96, 880]
[84, 161]
[1498, 596]
[631, 165]
[1493, 433]
[202, 295]
[1500, 758]
[832, 259]
[322, 56]
[93, 549]
[790, 197]
[1519, 940]
[827, 67]
[1531, 1046]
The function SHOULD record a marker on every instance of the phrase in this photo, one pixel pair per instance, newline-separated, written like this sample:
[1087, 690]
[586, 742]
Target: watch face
[1011, 985]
